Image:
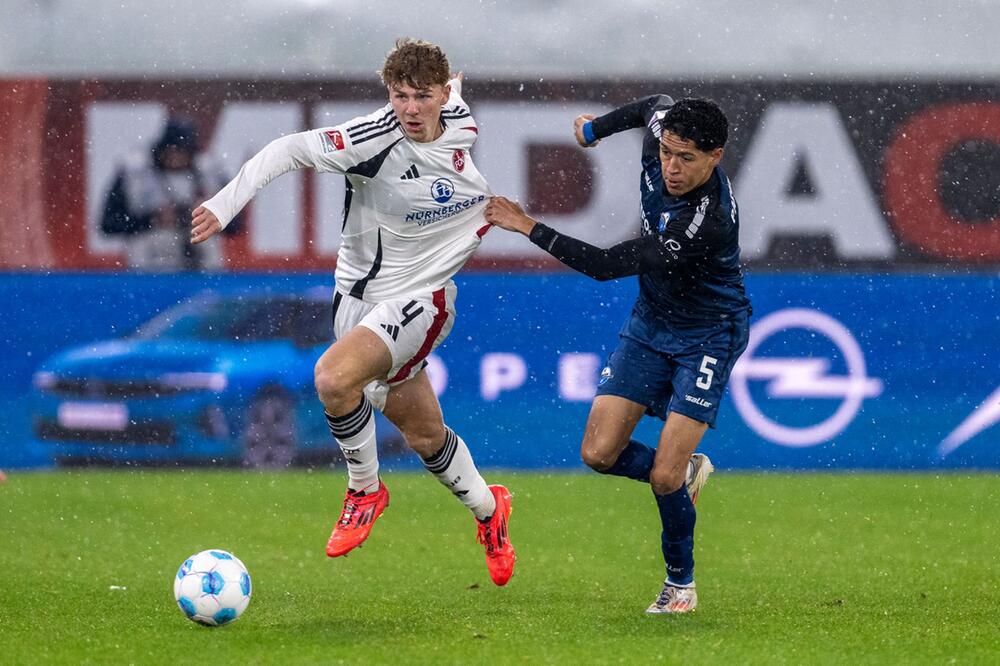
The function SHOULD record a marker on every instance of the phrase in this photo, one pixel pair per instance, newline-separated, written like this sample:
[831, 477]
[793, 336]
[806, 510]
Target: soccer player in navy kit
[688, 325]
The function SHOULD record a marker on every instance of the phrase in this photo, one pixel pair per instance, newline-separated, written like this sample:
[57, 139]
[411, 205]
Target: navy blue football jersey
[701, 278]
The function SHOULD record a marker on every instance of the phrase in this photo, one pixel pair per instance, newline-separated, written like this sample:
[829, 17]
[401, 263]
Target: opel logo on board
[802, 378]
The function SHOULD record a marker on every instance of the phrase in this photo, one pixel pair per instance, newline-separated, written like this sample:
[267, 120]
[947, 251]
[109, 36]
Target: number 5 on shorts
[705, 380]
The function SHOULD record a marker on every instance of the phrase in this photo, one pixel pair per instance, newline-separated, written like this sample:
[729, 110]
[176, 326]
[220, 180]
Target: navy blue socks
[677, 513]
[677, 516]
[634, 462]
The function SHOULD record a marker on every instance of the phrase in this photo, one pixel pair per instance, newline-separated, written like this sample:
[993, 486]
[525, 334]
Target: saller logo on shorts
[701, 402]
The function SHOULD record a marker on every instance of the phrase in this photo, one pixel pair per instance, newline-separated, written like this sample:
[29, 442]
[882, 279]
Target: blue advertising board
[853, 371]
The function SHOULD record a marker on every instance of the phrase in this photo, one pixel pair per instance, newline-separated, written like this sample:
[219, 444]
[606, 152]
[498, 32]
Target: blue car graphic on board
[221, 378]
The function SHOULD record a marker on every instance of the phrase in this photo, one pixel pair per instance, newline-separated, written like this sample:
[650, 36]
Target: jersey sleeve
[330, 149]
[681, 242]
[630, 116]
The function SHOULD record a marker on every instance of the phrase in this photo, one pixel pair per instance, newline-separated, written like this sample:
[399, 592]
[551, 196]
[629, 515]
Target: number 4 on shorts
[409, 314]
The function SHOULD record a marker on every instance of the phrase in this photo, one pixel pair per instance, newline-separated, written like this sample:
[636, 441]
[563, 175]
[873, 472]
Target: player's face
[685, 167]
[419, 109]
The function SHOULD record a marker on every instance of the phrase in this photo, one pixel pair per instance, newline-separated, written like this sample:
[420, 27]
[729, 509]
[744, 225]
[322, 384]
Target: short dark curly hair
[416, 63]
[699, 120]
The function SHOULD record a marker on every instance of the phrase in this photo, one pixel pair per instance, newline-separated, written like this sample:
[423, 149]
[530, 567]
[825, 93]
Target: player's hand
[204, 225]
[456, 82]
[578, 124]
[507, 214]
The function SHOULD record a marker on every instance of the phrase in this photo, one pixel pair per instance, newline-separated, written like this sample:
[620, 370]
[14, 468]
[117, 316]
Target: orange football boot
[356, 520]
[500, 556]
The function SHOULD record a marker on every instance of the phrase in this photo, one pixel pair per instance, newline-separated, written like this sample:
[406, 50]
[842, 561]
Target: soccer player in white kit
[413, 216]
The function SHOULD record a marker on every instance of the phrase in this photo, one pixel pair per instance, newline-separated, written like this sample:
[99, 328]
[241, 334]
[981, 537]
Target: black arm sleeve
[632, 257]
[631, 116]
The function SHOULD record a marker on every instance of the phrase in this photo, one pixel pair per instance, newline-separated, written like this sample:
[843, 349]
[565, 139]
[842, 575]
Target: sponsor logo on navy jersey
[442, 190]
[672, 244]
[664, 220]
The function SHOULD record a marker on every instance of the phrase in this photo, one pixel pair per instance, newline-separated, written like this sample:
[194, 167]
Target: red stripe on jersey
[435, 330]
[471, 129]
[483, 230]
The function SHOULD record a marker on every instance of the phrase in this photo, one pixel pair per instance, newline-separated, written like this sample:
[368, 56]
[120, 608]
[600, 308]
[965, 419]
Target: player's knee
[666, 479]
[425, 438]
[333, 389]
[596, 458]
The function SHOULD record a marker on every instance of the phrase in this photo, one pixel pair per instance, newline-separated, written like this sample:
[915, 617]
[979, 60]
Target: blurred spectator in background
[150, 201]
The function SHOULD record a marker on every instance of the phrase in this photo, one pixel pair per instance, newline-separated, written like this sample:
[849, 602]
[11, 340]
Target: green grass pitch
[794, 569]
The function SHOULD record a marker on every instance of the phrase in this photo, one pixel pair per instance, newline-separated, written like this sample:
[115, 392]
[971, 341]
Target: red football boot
[500, 556]
[356, 520]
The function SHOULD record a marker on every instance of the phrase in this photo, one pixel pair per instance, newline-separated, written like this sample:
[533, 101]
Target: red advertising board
[837, 174]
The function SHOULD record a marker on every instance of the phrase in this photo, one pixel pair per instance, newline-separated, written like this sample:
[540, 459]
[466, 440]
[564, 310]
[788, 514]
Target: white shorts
[411, 327]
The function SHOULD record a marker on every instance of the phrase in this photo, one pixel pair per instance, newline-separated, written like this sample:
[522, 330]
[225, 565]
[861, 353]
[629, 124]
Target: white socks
[452, 465]
[355, 433]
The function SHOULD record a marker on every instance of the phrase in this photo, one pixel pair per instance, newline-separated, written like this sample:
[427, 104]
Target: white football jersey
[413, 213]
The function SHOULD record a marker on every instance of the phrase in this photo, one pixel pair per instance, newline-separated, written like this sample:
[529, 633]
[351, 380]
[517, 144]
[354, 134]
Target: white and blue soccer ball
[212, 587]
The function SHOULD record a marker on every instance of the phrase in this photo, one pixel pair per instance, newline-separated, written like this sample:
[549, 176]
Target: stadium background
[865, 160]
[866, 156]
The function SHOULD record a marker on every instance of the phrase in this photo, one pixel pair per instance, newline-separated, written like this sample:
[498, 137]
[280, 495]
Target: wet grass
[791, 569]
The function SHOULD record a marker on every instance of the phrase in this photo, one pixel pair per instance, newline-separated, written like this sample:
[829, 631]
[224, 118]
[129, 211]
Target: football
[212, 588]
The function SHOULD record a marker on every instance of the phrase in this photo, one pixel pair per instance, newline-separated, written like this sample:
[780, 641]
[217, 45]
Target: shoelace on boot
[485, 537]
[665, 596]
[350, 508]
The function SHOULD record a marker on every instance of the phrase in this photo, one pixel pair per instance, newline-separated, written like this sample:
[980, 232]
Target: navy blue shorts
[677, 369]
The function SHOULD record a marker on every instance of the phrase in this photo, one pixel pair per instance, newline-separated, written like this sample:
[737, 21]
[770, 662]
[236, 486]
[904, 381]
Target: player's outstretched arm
[294, 151]
[629, 258]
[506, 214]
[630, 116]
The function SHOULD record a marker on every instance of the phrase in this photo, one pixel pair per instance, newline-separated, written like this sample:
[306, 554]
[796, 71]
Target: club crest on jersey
[332, 140]
[664, 220]
[442, 190]
[458, 159]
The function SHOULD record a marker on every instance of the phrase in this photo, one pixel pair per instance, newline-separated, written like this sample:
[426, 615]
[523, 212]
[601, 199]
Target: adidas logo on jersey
[411, 173]
[391, 330]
